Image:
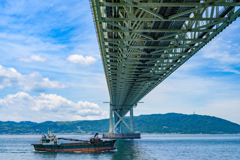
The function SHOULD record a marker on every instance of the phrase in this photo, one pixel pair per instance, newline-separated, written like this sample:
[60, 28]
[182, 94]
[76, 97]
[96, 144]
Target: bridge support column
[131, 120]
[111, 120]
[117, 123]
[118, 118]
[115, 128]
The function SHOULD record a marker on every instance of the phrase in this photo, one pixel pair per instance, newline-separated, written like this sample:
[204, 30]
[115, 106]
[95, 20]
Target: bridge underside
[142, 42]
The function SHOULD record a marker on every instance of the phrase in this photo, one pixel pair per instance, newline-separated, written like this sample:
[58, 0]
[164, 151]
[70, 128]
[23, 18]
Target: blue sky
[51, 69]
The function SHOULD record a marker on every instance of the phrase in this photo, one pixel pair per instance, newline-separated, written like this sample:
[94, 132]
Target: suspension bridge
[143, 41]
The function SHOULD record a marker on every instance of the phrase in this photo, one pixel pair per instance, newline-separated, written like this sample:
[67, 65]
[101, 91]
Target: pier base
[121, 135]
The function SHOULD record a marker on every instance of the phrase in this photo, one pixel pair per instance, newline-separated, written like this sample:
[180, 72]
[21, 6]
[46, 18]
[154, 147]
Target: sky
[51, 68]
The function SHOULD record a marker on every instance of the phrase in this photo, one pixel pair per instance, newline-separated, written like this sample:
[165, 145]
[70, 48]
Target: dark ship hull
[76, 147]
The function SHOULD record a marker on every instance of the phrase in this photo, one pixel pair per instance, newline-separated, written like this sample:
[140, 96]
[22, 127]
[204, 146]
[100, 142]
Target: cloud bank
[85, 61]
[46, 107]
[36, 58]
[9, 77]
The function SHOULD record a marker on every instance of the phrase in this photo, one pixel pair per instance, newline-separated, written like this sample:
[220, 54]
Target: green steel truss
[143, 41]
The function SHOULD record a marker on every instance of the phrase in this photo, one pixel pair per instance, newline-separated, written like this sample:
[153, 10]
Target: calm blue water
[165, 147]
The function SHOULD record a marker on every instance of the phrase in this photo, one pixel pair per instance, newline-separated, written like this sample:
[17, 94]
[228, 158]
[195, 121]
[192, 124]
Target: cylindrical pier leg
[111, 121]
[131, 120]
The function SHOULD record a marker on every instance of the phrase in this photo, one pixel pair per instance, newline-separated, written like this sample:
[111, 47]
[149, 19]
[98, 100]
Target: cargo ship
[50, 143]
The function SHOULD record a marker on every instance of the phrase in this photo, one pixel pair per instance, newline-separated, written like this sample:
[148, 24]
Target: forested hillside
[155, 123]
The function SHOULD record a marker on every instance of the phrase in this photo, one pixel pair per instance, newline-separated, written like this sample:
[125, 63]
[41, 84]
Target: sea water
[162, 147]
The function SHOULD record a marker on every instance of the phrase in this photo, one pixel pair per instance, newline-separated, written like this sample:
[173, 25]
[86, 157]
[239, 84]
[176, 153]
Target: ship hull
[77, 147]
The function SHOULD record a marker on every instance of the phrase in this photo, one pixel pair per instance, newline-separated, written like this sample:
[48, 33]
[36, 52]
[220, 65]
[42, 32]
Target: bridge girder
[141, 43]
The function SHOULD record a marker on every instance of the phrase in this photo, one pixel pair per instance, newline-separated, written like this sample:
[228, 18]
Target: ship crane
[71, 139]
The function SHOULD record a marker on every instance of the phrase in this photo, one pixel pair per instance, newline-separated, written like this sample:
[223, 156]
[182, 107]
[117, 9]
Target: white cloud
[46, 107]
[32, 82]
[36, 58]
[231, 70]
[85, 61]
[222, 51]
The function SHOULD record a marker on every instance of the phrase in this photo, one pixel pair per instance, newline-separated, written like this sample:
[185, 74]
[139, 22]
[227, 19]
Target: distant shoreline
[162, 124]
[151, 134]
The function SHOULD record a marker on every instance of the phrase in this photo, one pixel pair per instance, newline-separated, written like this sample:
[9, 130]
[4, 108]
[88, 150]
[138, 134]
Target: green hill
[155, 123]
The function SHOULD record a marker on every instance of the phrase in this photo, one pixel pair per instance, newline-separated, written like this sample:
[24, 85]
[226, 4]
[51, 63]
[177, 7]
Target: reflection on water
[149, 147]
[44, 155]
[130, 149]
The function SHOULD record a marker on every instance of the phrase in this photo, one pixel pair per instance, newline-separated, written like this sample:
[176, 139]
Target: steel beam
[118, 117]
[140, 46]
[151, 4]
[105, 19]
